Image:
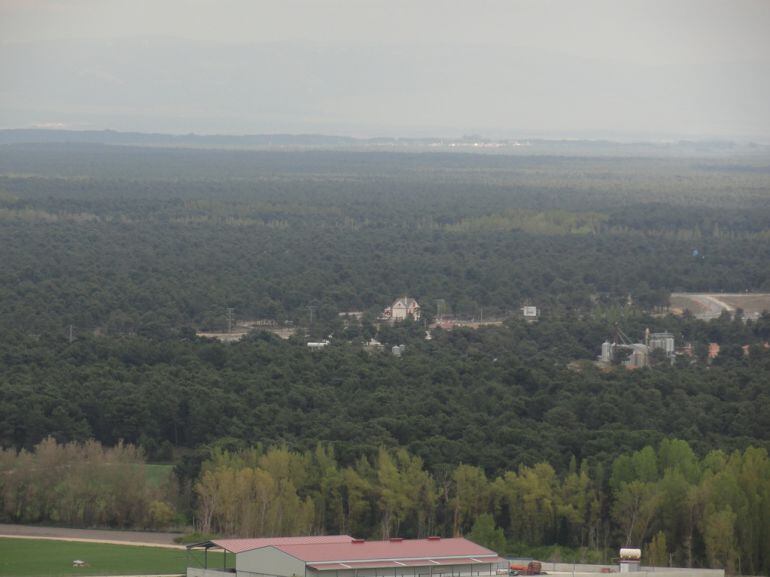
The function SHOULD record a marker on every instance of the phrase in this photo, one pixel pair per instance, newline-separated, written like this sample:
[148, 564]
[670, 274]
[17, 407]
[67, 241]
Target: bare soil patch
[711, 305]
[103, 535]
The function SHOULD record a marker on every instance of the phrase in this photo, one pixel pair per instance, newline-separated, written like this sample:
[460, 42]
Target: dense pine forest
[127, 240]
[114, 256]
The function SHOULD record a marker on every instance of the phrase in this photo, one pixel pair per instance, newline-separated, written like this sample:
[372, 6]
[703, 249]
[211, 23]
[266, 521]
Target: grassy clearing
[45, 558]
[158, 474]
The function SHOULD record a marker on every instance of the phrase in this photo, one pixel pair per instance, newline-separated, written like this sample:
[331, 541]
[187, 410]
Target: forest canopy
[124, 239]
[116, 258]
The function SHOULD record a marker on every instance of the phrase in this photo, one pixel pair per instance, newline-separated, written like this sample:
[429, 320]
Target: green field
[45, 558]
[158, 474]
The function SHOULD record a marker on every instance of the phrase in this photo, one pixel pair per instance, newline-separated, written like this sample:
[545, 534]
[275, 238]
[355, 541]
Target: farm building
[343, 556]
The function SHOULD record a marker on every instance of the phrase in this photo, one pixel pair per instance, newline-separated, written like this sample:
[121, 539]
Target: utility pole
[312, 309]
[70, 336]
[230, 312]
[440, 308]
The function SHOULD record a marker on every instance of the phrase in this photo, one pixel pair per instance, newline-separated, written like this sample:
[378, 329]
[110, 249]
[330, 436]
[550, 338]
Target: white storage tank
[630, 559]
[606, 356]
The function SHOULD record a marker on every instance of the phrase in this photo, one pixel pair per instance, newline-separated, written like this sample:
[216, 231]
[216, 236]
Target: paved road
[104, 536]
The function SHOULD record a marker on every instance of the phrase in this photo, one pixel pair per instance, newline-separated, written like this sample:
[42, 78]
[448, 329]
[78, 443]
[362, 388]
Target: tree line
[679, 508]
[83, 485]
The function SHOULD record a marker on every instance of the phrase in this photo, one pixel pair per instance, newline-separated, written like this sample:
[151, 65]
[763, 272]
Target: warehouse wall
[269, 561]
[423, 571]
[200, 572]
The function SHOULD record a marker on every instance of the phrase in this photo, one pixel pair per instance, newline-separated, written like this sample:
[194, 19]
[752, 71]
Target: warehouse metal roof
[391, 550]
[240, 545]
[338, 552]
[405, 563]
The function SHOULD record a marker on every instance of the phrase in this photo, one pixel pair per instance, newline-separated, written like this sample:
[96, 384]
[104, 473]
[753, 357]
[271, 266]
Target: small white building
[530, 312]
[374, 344]
[401, 309]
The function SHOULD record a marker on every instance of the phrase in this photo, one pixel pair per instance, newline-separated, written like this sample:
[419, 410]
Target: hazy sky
[571, 68]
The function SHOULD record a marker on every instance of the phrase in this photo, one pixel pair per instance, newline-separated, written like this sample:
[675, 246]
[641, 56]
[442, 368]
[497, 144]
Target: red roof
[406, 563]
[396, 550]
[240, 545]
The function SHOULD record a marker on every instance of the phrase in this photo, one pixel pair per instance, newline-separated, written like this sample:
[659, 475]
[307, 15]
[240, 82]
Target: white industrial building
[343, 556]
[661, 341]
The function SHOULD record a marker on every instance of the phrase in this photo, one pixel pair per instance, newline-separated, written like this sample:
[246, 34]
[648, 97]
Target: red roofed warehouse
[343, 556]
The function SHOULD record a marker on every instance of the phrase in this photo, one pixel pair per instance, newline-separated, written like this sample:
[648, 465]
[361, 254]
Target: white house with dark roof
[402, 308]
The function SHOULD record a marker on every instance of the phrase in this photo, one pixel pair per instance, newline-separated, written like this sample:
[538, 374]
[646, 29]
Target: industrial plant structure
[637, 355]
[661, 341]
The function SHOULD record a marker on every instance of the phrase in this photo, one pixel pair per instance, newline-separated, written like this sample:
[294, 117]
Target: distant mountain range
[468, 143]
[155, 139]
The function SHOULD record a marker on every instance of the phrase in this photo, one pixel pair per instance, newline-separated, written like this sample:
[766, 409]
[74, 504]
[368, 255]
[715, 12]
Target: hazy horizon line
[460, 135]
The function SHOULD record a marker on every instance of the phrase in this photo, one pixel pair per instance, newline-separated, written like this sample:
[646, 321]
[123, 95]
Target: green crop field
[47, 558]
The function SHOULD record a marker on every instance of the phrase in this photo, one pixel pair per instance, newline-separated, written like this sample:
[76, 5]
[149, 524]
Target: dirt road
[147, 538]
[708, 306]
[714, 305]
